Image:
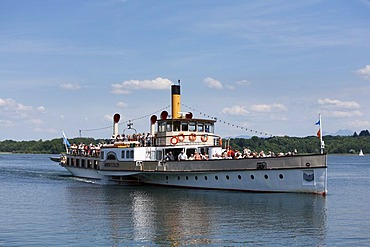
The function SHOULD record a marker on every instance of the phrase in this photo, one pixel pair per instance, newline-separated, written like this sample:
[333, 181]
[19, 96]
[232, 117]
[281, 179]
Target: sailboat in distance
[361, 153]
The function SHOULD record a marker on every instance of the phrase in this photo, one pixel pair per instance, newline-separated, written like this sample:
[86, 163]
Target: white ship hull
[84, 172]
[299, 180]
[287, 180]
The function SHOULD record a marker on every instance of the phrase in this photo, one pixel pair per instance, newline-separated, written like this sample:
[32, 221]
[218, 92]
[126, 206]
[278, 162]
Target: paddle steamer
[184, 151]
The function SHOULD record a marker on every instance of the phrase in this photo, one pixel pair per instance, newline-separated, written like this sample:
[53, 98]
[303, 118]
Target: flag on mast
[319, 135]
[65, 142]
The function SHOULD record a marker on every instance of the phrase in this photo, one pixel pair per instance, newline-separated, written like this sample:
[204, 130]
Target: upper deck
[186, 131]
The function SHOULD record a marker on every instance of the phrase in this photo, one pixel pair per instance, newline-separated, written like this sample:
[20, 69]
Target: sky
[265, 68]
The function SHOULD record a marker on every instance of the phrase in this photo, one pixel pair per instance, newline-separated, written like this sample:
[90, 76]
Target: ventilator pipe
[153, 120]
[116, 118]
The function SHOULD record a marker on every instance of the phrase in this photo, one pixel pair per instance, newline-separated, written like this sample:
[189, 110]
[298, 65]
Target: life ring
[181, 137]
[174, 140]
[192, 137]
[204, 138]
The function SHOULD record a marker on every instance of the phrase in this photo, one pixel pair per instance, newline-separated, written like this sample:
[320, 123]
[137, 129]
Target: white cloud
[108, 118]
[6, 123]
[230, 87]
[122, 104]
[358, 124]
[70, 86]
[212, 83]
[11, 106]
[235, 110]
[340, 109]
[364, 72]
[261, 108]
[334, 103]
[45, 130]
[268, 108]
[340, 114]
[243, 83]
[127, 86]
[41, 109]
[36, 121]
[13, 113]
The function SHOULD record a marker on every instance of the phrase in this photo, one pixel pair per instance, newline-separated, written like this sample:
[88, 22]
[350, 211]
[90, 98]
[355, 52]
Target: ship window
[169, 127]
[123, 154]
[281, 176]
[159, 155]
[127, 154]
[208, 128]
[227, 177]
[102, 155]
[252, 177]
[192, 126]
[239, 177]
[111, 156]
[184, 126]
[196, 177]
[176, 125]
[132, 154]
[200, 127]
[162, 127]
[266, 176]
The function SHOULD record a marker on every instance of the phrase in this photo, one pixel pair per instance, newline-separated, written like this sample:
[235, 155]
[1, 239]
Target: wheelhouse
[186, 131]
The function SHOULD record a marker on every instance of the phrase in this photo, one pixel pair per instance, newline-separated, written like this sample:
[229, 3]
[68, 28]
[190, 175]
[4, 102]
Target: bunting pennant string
[224, 122]
[190, 108]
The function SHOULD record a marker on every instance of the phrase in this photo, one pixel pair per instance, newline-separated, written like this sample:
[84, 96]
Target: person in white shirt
[182, 156]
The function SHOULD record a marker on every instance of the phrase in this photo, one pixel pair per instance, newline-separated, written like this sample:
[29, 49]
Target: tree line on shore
[277, 144]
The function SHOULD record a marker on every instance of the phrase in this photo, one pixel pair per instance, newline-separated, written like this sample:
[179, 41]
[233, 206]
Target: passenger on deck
[118, 138]
[148, 140]
[197, 156]
[182, 156]
[171, 156]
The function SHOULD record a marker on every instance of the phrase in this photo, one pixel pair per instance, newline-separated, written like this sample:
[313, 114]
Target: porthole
[252, 177]
[205, 177]
[187, 178]
[239, 177]
[216, 177]
[178, 177]
[266, 177]
[281, 176]
[196, 177]
[227, 177]
[166, 177]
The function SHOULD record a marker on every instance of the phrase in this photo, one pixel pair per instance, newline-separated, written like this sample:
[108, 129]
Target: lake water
[42, 205]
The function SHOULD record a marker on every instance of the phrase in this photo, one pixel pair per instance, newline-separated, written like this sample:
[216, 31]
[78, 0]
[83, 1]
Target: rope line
[191, 108]
[229, 124]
